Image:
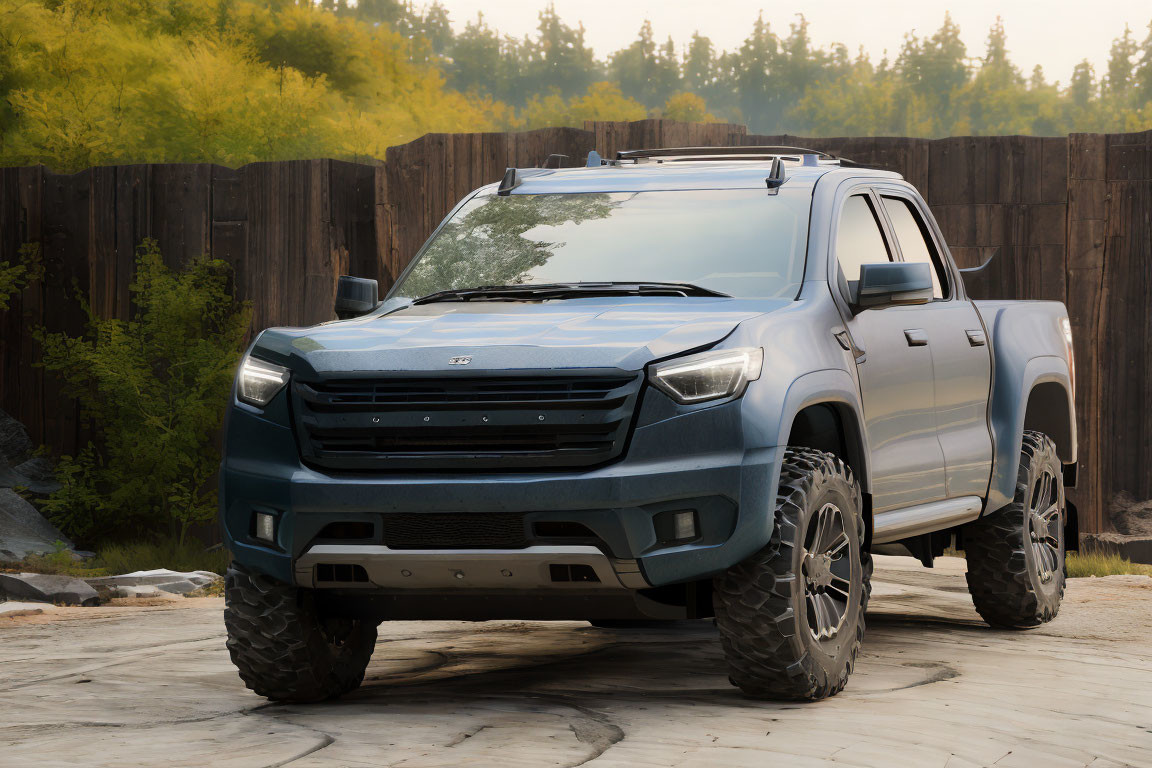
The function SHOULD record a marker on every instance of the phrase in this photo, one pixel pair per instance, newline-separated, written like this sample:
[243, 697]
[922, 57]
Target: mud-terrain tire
[1016, 568]
[771, 608]
[283, 648]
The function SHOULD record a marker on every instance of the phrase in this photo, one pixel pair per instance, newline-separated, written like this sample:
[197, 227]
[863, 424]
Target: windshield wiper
[545, 291]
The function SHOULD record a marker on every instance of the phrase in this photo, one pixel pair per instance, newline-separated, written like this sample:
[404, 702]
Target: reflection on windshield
[485, 243]
[745, 243]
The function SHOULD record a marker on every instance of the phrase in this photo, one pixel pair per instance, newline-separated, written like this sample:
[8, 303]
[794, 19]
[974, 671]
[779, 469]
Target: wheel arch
[822, 410]
[1039, 399]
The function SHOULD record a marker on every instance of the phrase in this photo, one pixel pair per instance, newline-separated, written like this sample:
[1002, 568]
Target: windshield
[745, 243]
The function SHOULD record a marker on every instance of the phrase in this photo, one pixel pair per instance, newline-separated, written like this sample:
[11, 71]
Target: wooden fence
[1069, 219]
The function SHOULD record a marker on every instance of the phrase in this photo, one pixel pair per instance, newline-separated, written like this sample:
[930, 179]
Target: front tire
[791, 617]
[284, 648]
[1016, 571]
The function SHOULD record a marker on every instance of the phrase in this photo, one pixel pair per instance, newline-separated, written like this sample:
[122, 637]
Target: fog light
[676, 525]
[266, 527]
[684, 524]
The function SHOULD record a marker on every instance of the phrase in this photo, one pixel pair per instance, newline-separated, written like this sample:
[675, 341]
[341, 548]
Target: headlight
[259, 381]
[709, 375]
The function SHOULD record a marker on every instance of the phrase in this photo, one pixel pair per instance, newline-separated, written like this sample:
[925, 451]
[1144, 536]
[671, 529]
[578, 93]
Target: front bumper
[677, 458]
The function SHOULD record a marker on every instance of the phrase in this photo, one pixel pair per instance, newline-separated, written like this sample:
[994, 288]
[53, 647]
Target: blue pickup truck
[677, 384]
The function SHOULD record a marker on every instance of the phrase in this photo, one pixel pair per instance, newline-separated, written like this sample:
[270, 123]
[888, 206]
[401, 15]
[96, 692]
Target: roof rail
[746, 151]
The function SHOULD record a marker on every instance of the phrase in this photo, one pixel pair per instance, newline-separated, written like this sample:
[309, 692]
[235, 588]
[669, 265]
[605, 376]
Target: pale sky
[1053, 33]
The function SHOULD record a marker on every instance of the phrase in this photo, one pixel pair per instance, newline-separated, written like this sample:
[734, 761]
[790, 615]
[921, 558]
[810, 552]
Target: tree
[754, 78]
[1119, 79]
[645, 72]
[933, 69]
[1142, 77]
[562, 59]
[476, 59]
[995, 101]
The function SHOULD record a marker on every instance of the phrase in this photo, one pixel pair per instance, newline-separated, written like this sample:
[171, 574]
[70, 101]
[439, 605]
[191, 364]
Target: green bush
[166, 553]
[13, 277]
[116, 559]
[155, 389]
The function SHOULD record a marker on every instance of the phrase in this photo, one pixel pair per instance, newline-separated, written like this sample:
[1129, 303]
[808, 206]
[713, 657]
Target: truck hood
[623, 332]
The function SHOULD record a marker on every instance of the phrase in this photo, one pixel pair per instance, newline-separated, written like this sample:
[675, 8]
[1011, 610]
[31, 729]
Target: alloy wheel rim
[1046, 529]
[826, 568]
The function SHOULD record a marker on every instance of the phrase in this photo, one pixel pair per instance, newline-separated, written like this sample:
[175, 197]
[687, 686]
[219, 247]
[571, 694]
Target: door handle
[916, 337]
[976, 338]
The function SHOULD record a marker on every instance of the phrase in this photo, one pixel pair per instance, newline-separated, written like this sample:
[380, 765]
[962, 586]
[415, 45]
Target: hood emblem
[460, 361]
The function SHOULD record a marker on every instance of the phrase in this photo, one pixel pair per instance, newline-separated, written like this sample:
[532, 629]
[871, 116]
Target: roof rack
[802, 155]
[734, 152]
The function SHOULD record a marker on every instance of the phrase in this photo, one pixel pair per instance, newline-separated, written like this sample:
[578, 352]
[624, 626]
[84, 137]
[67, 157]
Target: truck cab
[678, 384]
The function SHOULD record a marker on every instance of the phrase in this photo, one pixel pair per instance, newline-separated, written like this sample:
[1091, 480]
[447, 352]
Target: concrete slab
[118, 685]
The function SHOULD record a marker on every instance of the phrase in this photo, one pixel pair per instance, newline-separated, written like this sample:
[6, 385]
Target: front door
[961, 354]
[894, 364]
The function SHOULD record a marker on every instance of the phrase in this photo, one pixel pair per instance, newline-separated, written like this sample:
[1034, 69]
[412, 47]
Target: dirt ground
[132, 685]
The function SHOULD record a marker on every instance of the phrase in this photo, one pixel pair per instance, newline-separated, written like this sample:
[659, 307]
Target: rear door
[894, 364]
[961, 358]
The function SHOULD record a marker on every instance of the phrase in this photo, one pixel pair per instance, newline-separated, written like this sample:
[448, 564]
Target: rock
[14, 477]
[38, 468]
[23, 531]
[11, 610]
[149, 583]
[37, 475]
[46, 588]
[14, 442]
[1138, 549]
[1132, 517]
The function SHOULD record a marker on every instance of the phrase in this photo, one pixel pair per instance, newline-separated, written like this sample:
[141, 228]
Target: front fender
[836, 387]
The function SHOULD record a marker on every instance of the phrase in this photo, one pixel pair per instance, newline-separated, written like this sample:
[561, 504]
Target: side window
[915, 242]
[859, 239]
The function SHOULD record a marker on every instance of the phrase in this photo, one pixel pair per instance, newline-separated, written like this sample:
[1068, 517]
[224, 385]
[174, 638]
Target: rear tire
[1016, 570]
[283, 648]
[791, 617]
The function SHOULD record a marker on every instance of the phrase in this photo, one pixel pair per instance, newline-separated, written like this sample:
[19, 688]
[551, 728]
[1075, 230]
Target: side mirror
[893, 283]
[355, 296]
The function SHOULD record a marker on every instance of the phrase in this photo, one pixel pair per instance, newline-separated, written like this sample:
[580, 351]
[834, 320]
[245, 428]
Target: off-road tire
[761, 608]
[283, 648]
[1004, 578]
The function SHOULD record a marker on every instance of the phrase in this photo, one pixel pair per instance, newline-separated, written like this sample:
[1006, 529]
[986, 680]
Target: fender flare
[835, 387]
[1006, 415]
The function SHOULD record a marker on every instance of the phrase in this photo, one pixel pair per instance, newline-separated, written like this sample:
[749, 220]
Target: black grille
[452, 531]
[464, 423]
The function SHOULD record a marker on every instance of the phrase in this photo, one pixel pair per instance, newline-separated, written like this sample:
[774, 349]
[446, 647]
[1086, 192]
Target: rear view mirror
[893, 283]
[355, 296]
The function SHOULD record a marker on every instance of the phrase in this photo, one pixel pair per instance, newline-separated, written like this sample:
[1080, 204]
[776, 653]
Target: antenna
[510, 181]
[776, 176]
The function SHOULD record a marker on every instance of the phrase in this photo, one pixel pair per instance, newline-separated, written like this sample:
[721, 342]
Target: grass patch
[1090, 563]
[1103, 564]
[116, 559]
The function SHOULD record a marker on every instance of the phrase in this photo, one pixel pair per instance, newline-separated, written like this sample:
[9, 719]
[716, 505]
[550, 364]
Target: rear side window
[915, 243]
[859, 239]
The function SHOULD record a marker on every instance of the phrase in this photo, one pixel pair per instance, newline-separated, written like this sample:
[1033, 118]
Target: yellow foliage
[602, 101]
[688, 108]
[151, 81]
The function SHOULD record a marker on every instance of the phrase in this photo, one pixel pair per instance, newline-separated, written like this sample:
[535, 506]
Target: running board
[935, 516]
